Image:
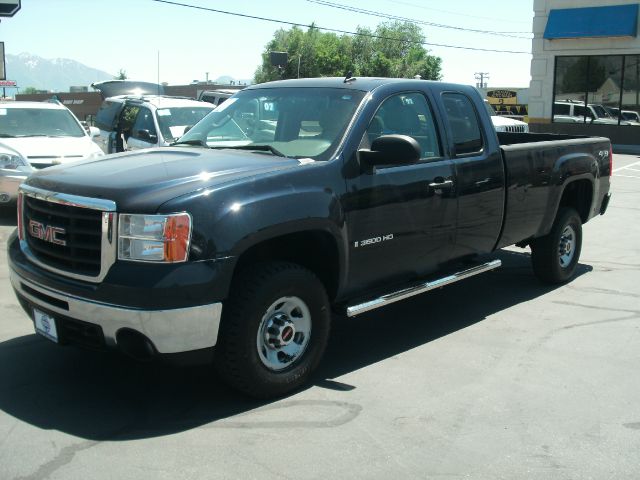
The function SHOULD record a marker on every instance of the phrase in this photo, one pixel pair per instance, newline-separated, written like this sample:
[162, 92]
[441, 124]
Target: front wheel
[555, 256]
[275, 327]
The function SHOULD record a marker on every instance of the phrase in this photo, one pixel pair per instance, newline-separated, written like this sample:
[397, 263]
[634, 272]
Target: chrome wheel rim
[566, 247]
[284, 333]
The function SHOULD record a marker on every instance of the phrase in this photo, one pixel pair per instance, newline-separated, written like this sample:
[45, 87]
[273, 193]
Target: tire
[555, 256]
[272, 304]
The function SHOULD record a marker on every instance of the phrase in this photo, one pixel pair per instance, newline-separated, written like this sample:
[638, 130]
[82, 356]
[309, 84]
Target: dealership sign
[8, 83]
[8, 8]
[501, 93]
[502, 96]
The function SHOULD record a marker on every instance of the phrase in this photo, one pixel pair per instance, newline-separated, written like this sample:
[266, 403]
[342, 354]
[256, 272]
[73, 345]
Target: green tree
[394, 49]
[29, 90]
[122, 74]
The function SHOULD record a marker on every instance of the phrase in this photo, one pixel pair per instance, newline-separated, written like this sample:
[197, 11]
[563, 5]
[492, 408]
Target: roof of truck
[356, 83]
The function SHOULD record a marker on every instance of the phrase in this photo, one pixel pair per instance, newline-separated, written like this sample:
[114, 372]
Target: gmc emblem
[47, 233]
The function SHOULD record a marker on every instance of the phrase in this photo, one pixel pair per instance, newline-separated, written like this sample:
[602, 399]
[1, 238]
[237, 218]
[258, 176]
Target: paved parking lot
[495, 377]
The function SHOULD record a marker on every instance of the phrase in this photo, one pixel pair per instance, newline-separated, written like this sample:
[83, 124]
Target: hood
[141, 181]
[46, 151]
[499, 121]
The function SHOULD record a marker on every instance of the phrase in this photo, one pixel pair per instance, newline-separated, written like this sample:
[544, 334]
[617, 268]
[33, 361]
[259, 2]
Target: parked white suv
[130, 122]
[46, 133]
[505, 124]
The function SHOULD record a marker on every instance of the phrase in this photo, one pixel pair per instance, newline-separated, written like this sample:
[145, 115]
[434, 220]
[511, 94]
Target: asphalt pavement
[496, 377]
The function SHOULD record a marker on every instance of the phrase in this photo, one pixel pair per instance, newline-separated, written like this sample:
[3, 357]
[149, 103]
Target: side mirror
[94, 132]
[391, 150]
[147, 136]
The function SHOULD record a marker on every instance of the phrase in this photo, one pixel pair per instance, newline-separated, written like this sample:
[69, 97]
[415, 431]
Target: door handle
[447, 184]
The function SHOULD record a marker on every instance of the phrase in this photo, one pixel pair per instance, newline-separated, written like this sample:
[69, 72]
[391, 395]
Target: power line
[335, 30]
[374, 13]
[461, 14]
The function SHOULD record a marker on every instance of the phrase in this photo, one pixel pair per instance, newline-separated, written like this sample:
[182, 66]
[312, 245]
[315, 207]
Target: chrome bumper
[171, 331]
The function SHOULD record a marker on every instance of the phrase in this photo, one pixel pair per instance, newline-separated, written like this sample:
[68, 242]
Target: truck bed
[537, 166]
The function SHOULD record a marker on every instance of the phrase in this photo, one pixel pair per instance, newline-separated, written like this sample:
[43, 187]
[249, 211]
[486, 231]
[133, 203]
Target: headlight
[12, 162]
[154, 238]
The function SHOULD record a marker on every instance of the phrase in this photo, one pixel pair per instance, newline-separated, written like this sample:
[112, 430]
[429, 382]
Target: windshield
[600, 111]
[298, 122]
[174, 121]
[38, 122]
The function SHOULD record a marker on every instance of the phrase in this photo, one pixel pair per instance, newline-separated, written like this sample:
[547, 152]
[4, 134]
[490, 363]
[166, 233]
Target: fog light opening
[135, 345]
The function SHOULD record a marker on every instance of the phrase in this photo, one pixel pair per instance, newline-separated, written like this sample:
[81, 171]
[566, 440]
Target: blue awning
[613, 21]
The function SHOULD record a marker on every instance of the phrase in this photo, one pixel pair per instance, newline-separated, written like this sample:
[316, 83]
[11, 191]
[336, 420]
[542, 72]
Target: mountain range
[58, 74]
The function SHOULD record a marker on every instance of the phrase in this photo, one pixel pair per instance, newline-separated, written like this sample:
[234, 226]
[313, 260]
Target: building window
[631, 90]
[589, 89]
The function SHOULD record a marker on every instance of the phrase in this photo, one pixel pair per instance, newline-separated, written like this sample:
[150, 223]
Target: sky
[131, 34]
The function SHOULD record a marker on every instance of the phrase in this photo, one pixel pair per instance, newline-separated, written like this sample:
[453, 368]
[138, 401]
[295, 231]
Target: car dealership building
[585, 70]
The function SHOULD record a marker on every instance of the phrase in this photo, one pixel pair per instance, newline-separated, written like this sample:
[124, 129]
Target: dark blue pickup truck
[290, 200]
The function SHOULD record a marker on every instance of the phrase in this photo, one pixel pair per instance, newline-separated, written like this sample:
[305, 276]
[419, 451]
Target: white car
[14, 169]
[46, 133]
[505, 124]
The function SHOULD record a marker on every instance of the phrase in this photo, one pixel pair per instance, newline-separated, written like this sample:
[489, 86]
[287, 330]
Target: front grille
[39, 166]
[76, 247]
[516, 128]
[37, 162]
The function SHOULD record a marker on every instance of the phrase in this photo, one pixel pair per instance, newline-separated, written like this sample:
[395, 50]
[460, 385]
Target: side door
[479, 173]
[143, 133]
[106, 120]
[401, 218]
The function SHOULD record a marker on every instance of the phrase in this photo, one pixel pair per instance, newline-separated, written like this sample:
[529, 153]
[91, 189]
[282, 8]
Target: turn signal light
[154, 238]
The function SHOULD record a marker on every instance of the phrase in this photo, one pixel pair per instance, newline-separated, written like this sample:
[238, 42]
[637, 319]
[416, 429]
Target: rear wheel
[555, 256]
[274, 330]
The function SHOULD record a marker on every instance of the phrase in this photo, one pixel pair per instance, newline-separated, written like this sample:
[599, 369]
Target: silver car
[14, 169]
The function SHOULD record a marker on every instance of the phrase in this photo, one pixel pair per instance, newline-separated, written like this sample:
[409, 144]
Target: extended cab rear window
[463, 123]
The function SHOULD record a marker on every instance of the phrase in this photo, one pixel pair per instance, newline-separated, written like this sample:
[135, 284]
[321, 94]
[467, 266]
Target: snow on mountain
[55, 75]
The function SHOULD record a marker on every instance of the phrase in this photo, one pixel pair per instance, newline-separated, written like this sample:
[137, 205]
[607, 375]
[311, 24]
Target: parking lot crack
[64, 456]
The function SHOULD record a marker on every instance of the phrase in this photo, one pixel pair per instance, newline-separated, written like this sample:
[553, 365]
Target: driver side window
[406, 114]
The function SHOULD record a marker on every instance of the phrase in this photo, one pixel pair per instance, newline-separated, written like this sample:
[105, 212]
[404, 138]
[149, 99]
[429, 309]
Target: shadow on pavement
[104, 396]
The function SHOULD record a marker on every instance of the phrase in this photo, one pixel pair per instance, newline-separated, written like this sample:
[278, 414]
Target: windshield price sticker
[45, 325]
[165, 112]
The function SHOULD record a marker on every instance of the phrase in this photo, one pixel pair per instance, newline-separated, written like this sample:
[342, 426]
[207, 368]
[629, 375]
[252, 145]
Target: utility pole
[481, 77]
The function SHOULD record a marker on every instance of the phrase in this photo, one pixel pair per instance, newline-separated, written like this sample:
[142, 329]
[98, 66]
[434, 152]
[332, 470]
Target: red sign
[8, 83]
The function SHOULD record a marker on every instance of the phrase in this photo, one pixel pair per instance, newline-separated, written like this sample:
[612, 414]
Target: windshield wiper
[260, 148]
[6, 135]
[196, 142]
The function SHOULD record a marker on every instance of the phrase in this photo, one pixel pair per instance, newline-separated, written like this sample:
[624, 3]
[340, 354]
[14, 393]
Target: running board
[393, 297]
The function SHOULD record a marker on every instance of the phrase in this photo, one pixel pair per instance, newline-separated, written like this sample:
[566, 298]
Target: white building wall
[545, 51]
